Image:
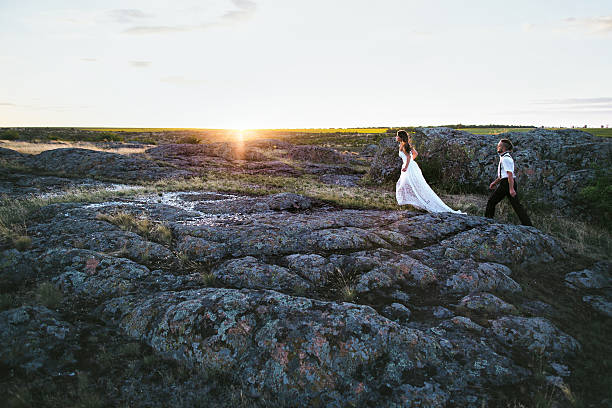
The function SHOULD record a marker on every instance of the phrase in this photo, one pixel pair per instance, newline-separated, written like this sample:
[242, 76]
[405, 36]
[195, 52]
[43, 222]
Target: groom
[506, 184]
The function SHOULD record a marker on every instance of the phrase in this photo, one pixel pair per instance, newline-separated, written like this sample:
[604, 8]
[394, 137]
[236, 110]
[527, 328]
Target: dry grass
[17, 213]
[349, 197]
[342, 285]
[35, 148]
[141, 225]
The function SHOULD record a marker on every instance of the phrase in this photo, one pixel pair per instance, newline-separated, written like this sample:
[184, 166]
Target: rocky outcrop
[596, 285]
[92, 163]
[312, 305]
[35, 338]
[227, 151]
[552, 165]
[316, 154]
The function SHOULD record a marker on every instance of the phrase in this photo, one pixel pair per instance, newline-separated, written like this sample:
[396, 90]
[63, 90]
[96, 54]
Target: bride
[411, 188]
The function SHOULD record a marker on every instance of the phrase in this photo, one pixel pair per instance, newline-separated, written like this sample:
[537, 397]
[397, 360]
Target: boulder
[552, 165]
[316, 154]
[84, 162]
[37, 340]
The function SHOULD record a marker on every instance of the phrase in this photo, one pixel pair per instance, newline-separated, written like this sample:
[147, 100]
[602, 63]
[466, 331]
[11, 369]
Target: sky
[305, 64]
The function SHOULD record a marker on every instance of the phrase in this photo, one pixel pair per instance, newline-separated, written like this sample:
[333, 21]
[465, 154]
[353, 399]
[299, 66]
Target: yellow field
[330, 130]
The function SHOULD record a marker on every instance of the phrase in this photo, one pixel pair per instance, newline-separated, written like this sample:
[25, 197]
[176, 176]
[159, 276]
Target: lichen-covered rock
[486, 303]
[316, 154]
[90, 233]
[250, 273]
[504, 244]
[482, 276]
[102, 164]
[97, 277]
[312, 267]
[535, 335]
[384, 269]
[387, 164]
[312, 351]
[202, 250]
[397, 312]
[598, 276]
[277, 320]
[190, 154]
[16, 268]
[36, 339]
[603, 304]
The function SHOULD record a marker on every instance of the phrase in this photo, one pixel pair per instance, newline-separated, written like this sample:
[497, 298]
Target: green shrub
[9, 135]
[114, 137]
[190, 139]
[208, 279]
[597, 196]
[48, 295]
[22, 242]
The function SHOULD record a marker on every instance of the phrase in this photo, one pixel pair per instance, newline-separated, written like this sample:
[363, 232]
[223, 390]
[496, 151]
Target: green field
[601, 132]
[494, 131]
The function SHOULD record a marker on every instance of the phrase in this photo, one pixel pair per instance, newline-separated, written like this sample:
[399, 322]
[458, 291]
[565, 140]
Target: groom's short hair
[507, 144]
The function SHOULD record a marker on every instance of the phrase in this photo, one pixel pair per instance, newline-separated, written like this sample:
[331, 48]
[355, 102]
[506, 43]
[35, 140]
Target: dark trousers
[503, 190]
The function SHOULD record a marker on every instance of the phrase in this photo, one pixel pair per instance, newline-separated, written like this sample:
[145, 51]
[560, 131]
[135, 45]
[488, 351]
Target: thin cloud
[43, 107]
[595, 25]
[140, 64]
[576, 105]
[89, 59]
[576, 101]
[127, 15]
[156, 29]
[182, 81]
[245, 10]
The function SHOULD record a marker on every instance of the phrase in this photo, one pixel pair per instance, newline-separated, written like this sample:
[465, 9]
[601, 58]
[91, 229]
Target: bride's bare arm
[414, 153]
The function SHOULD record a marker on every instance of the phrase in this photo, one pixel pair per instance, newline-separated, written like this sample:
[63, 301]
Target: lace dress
[411, 188]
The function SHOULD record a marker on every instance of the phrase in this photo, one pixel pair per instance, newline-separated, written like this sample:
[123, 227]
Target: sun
[240, 134]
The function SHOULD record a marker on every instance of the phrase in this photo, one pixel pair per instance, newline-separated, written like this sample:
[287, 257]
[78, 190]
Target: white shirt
[506, 164]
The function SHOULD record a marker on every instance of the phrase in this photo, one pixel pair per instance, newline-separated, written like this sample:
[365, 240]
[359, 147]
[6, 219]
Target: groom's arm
[511, 183]
[494, 183]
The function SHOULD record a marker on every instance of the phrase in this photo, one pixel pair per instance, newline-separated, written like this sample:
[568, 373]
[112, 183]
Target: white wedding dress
[411, 188]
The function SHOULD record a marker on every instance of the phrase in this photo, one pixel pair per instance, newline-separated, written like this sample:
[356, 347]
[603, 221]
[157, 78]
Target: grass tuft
[342, 285]
[22, 242]
[142, 226]
[7, 301]
[208, 279]
[48, 295]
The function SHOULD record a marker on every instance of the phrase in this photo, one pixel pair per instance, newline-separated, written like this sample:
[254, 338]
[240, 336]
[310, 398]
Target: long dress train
[411, 188]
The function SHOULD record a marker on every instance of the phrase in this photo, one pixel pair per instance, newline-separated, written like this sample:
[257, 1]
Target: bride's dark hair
[405, 140]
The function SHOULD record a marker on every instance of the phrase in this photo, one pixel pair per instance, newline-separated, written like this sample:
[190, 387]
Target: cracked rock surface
[313, 304]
